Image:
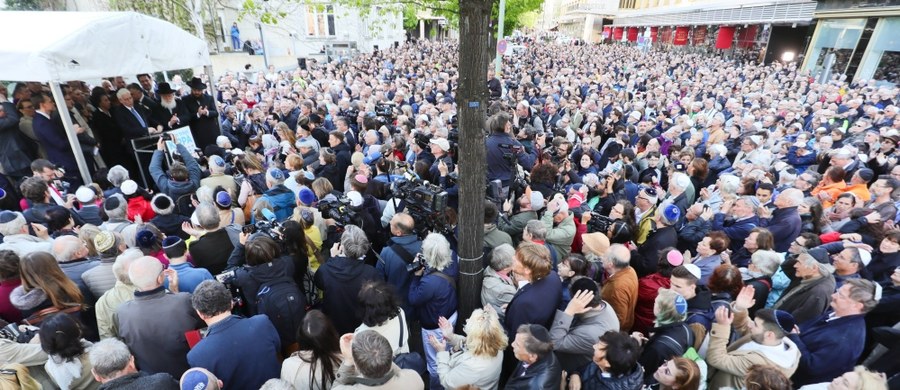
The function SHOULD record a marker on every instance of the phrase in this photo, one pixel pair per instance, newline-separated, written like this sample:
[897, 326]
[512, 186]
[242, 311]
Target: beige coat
[348, 378]
[729, 365]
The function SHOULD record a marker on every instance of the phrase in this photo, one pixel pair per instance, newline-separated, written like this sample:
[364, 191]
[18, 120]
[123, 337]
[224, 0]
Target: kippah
[8, 216]
[104, 241]
[223, 199]
[111, 203]
[171, 241]
[540, 333]
[145, 238]
[681, 305]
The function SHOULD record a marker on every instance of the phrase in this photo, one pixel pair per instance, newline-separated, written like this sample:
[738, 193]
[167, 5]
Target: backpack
[689, 352]
[310, 292]
[281, 300]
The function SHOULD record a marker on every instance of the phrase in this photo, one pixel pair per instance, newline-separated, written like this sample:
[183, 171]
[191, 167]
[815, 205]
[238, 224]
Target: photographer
[503, 152]
[433, 294]
[341, 278]
[182, 179]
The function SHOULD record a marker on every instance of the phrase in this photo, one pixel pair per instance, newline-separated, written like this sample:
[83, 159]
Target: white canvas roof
[65, 46]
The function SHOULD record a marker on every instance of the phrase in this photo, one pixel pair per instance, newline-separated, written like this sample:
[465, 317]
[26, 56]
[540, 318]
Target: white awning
[66, 46]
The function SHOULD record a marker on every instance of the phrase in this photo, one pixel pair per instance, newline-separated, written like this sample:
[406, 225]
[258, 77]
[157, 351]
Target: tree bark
[472, 99]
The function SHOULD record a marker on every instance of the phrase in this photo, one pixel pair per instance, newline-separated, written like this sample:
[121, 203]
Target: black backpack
[184, 206]
[281, 300]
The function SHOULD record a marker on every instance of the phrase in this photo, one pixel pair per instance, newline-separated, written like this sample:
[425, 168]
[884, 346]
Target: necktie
[138, 117]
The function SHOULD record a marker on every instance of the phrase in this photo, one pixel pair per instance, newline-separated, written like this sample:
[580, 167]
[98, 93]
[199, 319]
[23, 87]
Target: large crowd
[655, 219]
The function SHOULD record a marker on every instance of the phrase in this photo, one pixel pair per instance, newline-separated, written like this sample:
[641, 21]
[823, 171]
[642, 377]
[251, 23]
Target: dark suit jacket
[162, 115]
[204, 128]
[110, 137]
[129, 125]
[53, 138]
[536, 303]
[543, 374]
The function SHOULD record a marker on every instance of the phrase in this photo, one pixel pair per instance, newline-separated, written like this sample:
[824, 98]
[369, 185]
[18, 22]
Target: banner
[699, 37]
[617, 33]
[654, 34]
[747, 36]
[607, 32]
[681, 36]
[632, 34]
[725, 37]
[666, 35]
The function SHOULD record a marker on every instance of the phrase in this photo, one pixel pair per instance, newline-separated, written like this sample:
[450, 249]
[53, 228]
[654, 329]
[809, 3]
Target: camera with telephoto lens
[599, 223]
[339, 210]
[417, 263]
[21, 334]
[425, 203]
[385, 110]
[228, 279]
[269, 228]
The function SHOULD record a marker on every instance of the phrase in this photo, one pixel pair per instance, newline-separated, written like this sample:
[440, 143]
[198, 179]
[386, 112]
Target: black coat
[211, 251]
[543, 374]
[644, 259]
[204, 128]
[162, 115]
[668, 341]
[110, 137]
[341, 279]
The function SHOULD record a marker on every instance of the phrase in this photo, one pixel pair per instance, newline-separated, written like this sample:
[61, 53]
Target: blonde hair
[664, 308]
[87, 234]
[869, 380]
[485, 336]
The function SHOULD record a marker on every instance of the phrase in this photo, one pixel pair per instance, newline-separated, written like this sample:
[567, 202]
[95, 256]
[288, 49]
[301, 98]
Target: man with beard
[172, 112]
[204, 119]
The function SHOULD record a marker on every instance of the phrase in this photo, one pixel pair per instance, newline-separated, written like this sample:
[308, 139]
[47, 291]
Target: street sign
[501, 46]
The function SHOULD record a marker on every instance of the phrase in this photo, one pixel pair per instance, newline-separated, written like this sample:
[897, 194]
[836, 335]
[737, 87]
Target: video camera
[339, 210]
[599, 223]
[385, 110]
[228, 279]
[425, 203]
[269, 226]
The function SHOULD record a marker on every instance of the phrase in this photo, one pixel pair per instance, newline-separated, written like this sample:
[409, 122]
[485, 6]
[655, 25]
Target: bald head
[402, 224]
[146, 273]
[68, 248]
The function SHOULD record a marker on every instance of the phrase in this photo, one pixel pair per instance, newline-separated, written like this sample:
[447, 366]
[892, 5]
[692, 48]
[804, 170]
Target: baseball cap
[441, 143]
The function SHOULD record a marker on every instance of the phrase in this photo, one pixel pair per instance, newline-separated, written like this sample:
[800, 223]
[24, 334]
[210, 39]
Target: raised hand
[745, 299]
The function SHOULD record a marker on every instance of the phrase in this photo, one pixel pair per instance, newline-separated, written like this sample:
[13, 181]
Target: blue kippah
[681, 305]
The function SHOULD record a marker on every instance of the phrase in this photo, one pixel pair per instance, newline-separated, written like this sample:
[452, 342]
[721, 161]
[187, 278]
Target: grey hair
[109, 357]
[793, 196]
[123, 264]
[372, 354]
[120, 211]
[211, 298]
[205, 195]
[436, 250]
[619, 255]
[863, 291]
[502, 257]
[208, 216]
[664, 308]
[766, 261]
[786, 177]
[13, 227]
[718, 150]
[728, 185]
[64, 247]
[122, 92]
[117, 175]
[536, 229]
[277, 384]
[144, 273]
[354, 242]
[824, 269]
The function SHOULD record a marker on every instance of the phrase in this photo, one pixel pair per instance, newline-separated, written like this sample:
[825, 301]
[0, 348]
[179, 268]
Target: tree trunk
[472, 100]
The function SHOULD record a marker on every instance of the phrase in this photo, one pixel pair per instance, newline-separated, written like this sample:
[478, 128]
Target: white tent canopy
[56, 47]
[66, 46]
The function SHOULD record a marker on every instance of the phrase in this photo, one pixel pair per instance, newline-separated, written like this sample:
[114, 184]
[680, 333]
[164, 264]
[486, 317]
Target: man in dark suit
[288, 114]
[147, 86]
[134, 121]
[141, 99]
[171, 112]
[49, 130]
[204, 119]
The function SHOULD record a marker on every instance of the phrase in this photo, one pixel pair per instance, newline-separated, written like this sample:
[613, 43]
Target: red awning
[747, 36]
[654, 34]
[725, 37]
[632, 34]
[617, 33]
[699, 36]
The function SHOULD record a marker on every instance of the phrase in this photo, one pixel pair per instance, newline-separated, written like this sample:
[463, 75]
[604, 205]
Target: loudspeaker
[396, 44]
[301, 62]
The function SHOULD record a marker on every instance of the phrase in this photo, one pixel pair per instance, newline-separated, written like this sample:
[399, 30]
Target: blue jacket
[166, 185]
[737, 231]
[188, 277]
[785, 226]
[242, 352]
[828, 349]
[433, 297]
[282, 200]
[392, 267]
[535, 303]
[498, 167]
[800, 162]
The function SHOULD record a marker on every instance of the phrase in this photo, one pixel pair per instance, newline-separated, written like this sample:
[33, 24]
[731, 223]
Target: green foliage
[529, 19]
[409, 17]
[514, 10]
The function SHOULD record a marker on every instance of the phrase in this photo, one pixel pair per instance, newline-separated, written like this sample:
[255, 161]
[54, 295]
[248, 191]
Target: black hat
[196, 84]
[165, 89]
[820, 254]
[112, 203]
[162, 204]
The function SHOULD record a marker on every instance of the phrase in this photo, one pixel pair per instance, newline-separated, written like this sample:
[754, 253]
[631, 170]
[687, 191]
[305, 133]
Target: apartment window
[320, 20]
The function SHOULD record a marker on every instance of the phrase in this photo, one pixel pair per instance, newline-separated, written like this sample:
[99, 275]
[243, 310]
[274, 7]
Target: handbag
[37, 318]
[410, 360]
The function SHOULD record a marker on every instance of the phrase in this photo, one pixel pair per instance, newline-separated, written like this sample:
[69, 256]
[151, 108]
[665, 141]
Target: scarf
[27, 300]
[63, 371]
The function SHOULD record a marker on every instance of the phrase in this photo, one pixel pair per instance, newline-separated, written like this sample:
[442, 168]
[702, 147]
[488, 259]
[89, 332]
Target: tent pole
[70, 131]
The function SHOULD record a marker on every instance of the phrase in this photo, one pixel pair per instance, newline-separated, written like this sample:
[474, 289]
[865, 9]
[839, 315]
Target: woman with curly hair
[474, 359]
[543, 179]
